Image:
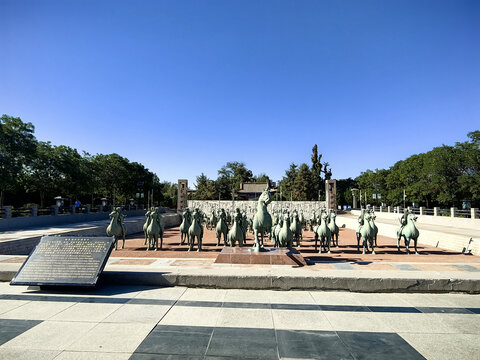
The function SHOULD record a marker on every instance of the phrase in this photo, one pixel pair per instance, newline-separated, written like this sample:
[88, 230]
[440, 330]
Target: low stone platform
[272, 256]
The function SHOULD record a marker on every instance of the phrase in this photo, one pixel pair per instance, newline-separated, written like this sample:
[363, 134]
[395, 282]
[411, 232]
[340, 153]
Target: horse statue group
[153, 229]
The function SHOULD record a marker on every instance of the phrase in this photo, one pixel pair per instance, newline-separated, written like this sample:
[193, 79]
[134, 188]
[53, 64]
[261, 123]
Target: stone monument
[182, 202]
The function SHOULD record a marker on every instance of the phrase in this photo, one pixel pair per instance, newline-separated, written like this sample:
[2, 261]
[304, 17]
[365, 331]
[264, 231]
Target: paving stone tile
[50, 335]
[7, 305]
[356, 321]
[199, 303]
[335, 298]
[381, 299]
[380, 346]
[445, 346]
[161, 341]
[426, 300]
[83, 355]
[353, 308]
[300, 320]
[164, 293]
[112, 337]
[464, 300]
[414, 323]
[138, 314]
[461, 323]
[444, 310]
[141, 356]
[246, 318]
[394, 309]
[243, 343]
[191, 315]
[37, 310]
[291, 297]
[405, 267]
[198, 294]
[311, 345]
[9, 328]
[241, 295]
[86, 312]
[246, 305]
[28, 354]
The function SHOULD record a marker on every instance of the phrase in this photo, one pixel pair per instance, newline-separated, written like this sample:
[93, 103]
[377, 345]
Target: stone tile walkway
[133, 322]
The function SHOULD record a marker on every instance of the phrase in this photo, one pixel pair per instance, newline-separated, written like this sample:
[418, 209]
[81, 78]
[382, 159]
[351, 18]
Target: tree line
[300, 182]
[445, 176]
[34, 171]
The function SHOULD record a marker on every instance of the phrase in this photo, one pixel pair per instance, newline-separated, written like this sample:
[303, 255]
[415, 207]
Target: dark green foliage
[38, 171]
[444, 176]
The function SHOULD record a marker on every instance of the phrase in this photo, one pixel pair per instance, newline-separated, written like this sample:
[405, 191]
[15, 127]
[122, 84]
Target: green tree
[303, 186]
[17, 146]
[206, 189]
[234, 173]
[286, 185]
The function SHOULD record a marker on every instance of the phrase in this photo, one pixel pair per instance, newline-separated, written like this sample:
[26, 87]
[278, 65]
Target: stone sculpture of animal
[117, 227]
[147, 222]
[409, 232]
[262, 222]
[365, 232]
[285, 235]
[185, 225]
[296, 228]
[333, 228]
[155, 231]
[323, 233]
[195, 231]
[221, 228]
[236, 232]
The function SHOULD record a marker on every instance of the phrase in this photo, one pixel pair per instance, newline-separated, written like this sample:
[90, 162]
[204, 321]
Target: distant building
[252, 190]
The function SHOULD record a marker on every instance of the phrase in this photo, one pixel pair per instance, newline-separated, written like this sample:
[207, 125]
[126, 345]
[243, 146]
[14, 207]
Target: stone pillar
[87, 209]
[331, 194]
[33, 210]
[100, 208]
[473, 212]
[54, 210]
[398, 209]
[452, 211]
[7, 211]
[389, 209]
[182, 195]
[436, 211]
[381, 208]
[422, 210]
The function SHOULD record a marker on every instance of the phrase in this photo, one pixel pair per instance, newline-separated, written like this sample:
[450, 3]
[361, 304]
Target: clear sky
[185, 86]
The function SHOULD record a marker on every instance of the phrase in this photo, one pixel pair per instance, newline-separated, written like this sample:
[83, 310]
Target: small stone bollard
[473, 212]
[7, 211]
[100, 208]
[422, 210]
[54, 210]
[436, 211]
[389, 209]
[87, 209]
[452, 211]
[33, 210]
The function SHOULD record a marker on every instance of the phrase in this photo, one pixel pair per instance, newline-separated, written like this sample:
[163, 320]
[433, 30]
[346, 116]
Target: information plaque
[65, 261]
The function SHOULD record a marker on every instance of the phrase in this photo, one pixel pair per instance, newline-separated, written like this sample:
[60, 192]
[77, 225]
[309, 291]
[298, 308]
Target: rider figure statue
[403, 220]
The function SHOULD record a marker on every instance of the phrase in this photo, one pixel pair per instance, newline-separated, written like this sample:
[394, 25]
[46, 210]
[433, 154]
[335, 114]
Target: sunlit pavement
[122, 322]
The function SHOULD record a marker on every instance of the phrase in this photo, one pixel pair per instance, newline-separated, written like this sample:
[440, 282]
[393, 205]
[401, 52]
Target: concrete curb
[271, 282]
[279, 282]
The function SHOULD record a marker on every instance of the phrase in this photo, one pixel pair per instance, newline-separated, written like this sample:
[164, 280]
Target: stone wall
[251, 206]
[98, 228]
[25, 222]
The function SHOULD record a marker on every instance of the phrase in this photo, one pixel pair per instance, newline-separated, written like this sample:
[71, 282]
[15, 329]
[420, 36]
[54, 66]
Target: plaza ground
[135, 322]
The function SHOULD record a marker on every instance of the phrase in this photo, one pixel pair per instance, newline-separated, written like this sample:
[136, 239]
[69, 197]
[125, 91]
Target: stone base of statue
[243, 255]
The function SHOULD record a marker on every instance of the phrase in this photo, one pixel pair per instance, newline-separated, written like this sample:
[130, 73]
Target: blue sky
[185, 86]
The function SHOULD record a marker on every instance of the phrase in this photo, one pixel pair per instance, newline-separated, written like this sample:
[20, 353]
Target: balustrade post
[34, 210]
[453, 211]
[7, 211]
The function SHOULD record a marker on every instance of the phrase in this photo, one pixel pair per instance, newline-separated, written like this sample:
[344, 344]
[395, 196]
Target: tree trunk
[42, 199]
[1, 198]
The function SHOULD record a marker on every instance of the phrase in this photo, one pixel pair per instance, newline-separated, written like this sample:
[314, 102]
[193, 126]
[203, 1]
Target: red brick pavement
[385, 252]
